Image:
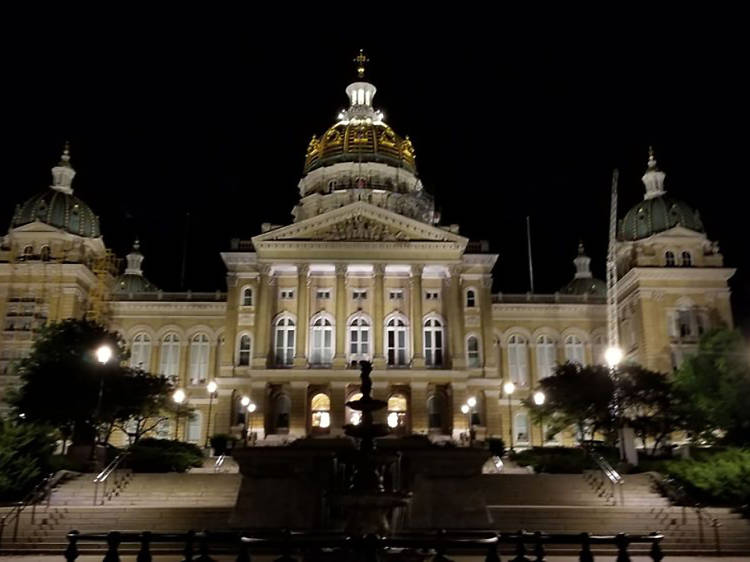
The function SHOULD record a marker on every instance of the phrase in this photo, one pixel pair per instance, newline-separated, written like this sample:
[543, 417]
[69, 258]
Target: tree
[25, 451]
[60, 382]
[713, 389]
[578, 396]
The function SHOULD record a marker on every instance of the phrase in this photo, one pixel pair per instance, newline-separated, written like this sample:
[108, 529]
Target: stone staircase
[572, 503]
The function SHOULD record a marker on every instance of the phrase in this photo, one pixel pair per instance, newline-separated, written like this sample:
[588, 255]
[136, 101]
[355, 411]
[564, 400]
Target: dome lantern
[63, 173]
[653, 179]
[134, 259]
[583, 282]
[582, 263]
[133, 280]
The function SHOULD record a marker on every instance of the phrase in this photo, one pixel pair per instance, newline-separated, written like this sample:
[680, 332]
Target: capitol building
[364, 271]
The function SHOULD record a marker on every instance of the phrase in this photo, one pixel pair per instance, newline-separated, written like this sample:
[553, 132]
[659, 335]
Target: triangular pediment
[360, 222]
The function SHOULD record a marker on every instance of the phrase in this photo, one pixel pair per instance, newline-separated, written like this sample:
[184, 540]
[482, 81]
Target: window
[163, 429]
[598, 349]
[396, 411]
[287, 293]
[687, 259]
[44, 254]
[435, 409]
[545, 356]
[243, 355]
[472, 352]
[320, 408]
[521, 428]
[28, 252]
[433, 342]
[432, 295]
[169, 362]
[284, 341]
[518, 362]
[359, 339]
[321, 352]
[359, 294]
[471, 298]
[684, 323]
[194, 428]
[323, 294]
[247, 296]
[574, 349]
[199, 350]
[353, 416]
[140, 352]
[396, 338]
[280, 413]
[669, 258]
[395, 294]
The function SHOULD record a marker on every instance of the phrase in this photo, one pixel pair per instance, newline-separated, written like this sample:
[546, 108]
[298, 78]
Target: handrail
[120, 479]
[39, 493]
[362, 547]
[615, 479]
[219, 462]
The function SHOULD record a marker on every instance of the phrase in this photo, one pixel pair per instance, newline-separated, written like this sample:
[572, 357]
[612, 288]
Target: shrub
[222, 443]
[164, 455]
[497, 446]
[557, 460]
[25, 452]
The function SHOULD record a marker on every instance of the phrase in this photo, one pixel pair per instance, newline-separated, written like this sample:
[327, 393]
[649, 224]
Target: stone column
[493, 412]
[298, 415]
[339, 360]
[183, 369]
[488, 339]
[263, 319]
[378, 360]
[416, 316]
[455, 318]
[460, 420]
[303, 315]
[419, 422]
[338, 407]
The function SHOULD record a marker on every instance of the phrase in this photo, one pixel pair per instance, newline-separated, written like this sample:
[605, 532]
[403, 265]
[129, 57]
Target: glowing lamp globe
[509, 387]
[392, 420]
[471, 402]
[245, 401]
[465, 409]
[539, 398]
[211, 387]
[103, 354]
[179, 396]
[613, 356]
[251, 407]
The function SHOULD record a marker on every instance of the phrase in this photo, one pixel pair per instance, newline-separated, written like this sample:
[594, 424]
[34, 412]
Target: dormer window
[687, 259]
[471, 298]
[247, 297]
[669, 258]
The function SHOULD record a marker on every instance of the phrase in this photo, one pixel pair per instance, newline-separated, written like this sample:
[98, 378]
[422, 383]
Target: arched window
[353, 417]
[194, 427]
[320, 411]
[433, 342]
[28, 252]
[521, 428]
[574, 350]
[545, 356]
[280, 413]
[669, 258]
[247, 296]
[396, 342]
[199, 350]
[598, 348]
[518, 360]
[284, 341]
[397, 409]
[243, 355]
[471, 298]
[359, 339]
[687, 259]
[321, 346]
[169, 361]
[436, 410]
[164, 429]
[472, 352]
[140, 352]
[44, 253]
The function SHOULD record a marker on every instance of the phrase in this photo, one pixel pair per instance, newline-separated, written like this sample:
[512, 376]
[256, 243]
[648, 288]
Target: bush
[222, 443]
[722, 477]
[163, 455]
[497, 446]
[561, 460]
[25, 453]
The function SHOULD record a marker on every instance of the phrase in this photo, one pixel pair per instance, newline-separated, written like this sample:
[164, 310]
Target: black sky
[509, 118]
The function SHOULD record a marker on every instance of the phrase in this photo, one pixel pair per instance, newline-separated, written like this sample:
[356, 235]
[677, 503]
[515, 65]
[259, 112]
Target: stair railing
[220, 462]
[609, 474]
[41, 492]
[112, 479]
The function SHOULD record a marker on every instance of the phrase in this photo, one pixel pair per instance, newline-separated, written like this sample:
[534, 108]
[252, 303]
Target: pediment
[360, 222]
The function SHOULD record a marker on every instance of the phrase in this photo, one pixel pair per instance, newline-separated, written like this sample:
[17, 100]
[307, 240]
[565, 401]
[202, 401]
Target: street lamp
[245, 402]
[103, 355]
[539, 398]
[211, 387]
[178, 397]
[250, 409]
[509, 389]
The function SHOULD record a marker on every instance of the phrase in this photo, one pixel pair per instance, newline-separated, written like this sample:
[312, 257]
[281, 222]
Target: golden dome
[360, 140]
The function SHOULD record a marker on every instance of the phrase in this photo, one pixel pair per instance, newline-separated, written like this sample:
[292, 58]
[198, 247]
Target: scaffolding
[613, 339]
[105, 267]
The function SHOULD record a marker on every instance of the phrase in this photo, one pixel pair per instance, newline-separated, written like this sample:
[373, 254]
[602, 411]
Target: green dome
[658, 214]
[61, 210]
[133, 283]
[585, 286]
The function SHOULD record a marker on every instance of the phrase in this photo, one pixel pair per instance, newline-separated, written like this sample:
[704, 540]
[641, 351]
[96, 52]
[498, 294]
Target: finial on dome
[361, 60]
[581, 251]
[134, 259]
[582, 263]
[63, 173]
[653, 179]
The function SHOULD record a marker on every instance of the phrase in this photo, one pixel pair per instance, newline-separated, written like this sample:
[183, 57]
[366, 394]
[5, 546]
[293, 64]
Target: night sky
[508, 119]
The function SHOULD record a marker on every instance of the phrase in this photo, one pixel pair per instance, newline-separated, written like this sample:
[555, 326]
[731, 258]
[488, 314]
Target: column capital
[341, 268]
[303, 269]
[378, 269]
[417, 269]
[486, 281]
[418, 385]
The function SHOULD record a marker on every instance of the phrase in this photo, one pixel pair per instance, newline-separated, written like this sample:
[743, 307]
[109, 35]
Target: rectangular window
[432, 295]
[287, 293]
[359, 294]
[395, 294]
[323, 293]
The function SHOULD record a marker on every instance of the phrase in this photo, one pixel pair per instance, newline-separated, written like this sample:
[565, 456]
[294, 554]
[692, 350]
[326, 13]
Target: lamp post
[245, 402]
[103, 355]
[179, 398]
[613, 355]
[467, 412]
[211, 387]
[250, 409]
[539, 398]
[509, 388]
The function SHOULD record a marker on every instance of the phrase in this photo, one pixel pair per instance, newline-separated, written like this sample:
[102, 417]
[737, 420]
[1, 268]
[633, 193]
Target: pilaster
[460, 420]
[419, 422]
[378, 313]
[338, 407]
[493, 413]
[339, 359]
[263, 322]
[416, 317]
[455, 318]
[298, 414]
[303, 314]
